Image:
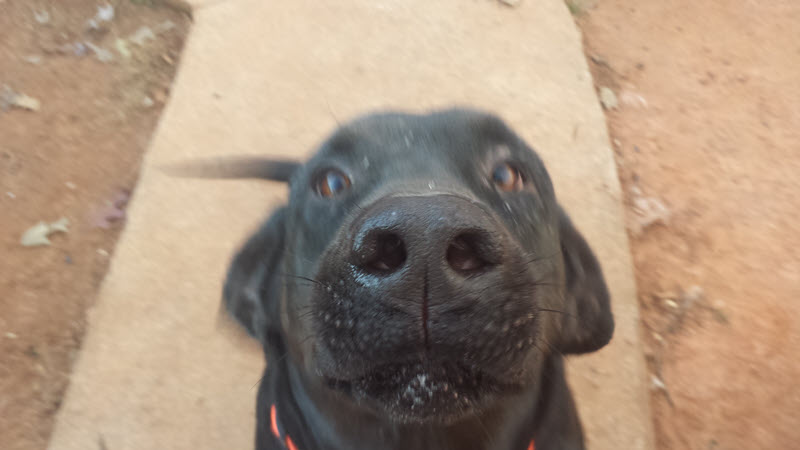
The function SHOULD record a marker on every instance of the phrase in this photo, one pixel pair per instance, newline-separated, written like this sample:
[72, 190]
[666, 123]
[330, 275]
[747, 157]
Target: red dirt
[718, 143]
[69, 159]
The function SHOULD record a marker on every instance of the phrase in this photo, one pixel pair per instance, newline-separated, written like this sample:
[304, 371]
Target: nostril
[465, 253]
[390, 253]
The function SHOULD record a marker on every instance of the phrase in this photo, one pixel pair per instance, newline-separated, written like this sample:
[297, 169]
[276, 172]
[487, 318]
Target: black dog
[419, 291]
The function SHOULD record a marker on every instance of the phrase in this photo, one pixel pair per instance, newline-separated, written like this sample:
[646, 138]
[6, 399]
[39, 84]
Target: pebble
[607, 98]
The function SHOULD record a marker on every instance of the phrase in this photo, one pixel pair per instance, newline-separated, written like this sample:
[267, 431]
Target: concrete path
[264, 77]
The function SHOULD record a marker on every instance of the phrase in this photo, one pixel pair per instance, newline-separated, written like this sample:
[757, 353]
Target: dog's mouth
[418, 392]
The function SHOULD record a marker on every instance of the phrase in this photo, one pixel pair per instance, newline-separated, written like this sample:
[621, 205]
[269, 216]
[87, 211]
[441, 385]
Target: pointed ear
[252, 289]
[589, 324]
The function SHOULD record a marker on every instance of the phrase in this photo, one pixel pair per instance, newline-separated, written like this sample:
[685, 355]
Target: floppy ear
[235, 167]
[589, 325]
[252, 289]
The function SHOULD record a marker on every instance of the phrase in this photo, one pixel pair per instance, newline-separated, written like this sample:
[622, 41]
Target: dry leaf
[37, 235]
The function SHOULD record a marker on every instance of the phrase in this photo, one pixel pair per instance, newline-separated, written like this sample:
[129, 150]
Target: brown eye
[331, 182]
[507, 177]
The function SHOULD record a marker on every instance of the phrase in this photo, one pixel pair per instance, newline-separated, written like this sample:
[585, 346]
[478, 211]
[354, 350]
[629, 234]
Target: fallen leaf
[142, 35]
[122, 48]
[649, 210]
[102, 54]
[690, 298]
[164, 26]
[112, 212]
[37, 234]
[634, 99]
[42, 17]
[78, 48]
[693, 294]
[105, 13]
[26, 102]
[11, 99]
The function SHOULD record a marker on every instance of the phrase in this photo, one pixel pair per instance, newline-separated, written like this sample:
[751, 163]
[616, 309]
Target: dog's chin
[423, 392]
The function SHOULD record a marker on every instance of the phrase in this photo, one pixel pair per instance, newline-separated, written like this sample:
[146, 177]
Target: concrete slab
[272, 78]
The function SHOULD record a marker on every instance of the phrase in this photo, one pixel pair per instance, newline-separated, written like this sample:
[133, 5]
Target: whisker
[307, 314]
[550, 346]
[300, 277]
[544, 353]
[571, 316]
[538, 258]
[485, 430]
[278, 361]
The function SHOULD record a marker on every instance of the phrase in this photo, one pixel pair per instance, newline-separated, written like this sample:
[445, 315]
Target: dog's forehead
[453, 133]
[456, 147]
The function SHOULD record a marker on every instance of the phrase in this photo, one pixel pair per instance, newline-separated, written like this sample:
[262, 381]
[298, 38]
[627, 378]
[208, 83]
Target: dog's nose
[469, 252]
[438, 232]
[380, 250]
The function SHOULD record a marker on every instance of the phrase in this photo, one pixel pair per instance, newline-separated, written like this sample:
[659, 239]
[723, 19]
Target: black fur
[459, 344]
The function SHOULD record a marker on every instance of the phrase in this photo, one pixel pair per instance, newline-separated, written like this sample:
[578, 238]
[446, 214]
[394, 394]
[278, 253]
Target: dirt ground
[706, 133]
[76, 157]
[708, 124]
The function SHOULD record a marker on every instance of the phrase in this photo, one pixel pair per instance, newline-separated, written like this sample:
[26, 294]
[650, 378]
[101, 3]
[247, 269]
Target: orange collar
[287, 441]
[276, 431]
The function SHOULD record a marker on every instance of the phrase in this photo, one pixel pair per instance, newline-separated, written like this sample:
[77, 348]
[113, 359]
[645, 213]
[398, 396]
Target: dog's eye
[331, 182]
[507, 177]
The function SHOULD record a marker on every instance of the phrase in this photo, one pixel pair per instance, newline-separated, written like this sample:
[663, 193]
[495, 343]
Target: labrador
[419, 290]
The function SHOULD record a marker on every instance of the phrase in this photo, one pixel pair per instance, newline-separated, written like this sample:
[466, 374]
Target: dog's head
[421, 268]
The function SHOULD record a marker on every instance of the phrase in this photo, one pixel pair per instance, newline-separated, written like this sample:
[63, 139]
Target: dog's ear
[235, 167]
[252, 288]
[588, 324]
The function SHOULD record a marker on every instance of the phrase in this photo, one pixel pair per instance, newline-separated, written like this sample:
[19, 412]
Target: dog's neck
[316, 418]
